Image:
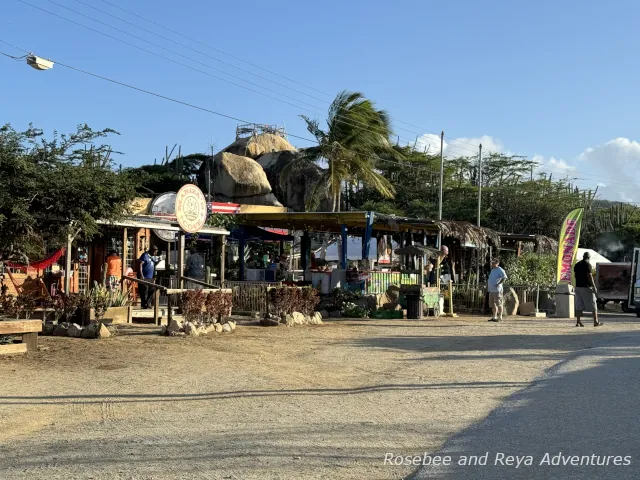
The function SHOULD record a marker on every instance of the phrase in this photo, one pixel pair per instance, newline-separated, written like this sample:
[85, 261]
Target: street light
[39, 63]
[33, 61]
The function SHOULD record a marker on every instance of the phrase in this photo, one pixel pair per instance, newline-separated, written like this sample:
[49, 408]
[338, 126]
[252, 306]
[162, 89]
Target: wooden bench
[27, 328]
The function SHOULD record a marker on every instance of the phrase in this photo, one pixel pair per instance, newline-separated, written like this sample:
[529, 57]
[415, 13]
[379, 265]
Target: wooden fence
[250, 296]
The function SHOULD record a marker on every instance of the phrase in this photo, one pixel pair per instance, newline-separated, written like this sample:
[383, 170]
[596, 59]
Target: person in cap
[496, 278]
[586, 291]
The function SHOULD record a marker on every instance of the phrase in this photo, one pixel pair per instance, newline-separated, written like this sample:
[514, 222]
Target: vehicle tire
[626, 308]
[601, 304]
[637, 313]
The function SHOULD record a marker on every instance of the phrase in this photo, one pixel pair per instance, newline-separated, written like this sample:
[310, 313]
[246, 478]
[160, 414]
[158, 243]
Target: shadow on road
[585, 406]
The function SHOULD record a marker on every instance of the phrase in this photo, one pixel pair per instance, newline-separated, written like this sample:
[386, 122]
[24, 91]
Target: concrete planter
[116, 315]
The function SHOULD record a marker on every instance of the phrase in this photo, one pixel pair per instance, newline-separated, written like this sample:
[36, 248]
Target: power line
[164, 27]
[358, 125]
[168, 58]
[158, 95]
[401, 164]
[198, 51]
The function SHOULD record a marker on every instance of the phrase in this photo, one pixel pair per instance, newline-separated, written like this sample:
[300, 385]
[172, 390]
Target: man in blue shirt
[496, 279]
[147, 270]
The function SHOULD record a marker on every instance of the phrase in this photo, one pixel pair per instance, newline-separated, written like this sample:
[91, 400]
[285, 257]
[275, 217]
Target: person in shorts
[114, 270]
[496, 278]
[586, 291]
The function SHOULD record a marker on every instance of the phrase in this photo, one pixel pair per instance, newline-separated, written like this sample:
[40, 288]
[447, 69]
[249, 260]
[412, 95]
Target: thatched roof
[546, 244]
[467, 232]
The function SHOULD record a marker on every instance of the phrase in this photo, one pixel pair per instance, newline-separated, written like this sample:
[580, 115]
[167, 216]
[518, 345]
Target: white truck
[614, 281]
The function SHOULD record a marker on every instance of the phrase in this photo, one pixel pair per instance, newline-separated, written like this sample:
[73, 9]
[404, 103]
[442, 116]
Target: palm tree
[357, 136]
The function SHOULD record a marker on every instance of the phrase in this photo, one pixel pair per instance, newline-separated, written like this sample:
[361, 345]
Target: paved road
[587, 405]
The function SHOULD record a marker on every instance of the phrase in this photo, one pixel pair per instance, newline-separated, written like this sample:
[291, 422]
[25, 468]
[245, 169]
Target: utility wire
[165, 57]
[168, 39]
[361, 125]
[164, 27]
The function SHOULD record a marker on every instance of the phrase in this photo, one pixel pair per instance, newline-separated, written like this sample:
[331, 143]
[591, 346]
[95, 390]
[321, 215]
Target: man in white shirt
[496, 279]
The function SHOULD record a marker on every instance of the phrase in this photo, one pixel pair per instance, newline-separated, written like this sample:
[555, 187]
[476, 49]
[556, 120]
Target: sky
[555, 81]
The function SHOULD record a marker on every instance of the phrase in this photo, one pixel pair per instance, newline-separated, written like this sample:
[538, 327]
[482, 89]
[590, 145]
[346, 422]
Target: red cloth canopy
[41, 264]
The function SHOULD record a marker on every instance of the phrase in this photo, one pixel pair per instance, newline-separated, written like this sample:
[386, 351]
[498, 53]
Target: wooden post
[223, 244]
[450, 314]
[125, 251]
[31, 340]
[105, 266]
[67, 267]
[181, 260]
[157, 318]
[169, 311]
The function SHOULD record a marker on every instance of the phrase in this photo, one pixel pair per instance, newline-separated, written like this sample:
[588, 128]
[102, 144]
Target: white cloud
[560, 165]
[458, 147]
[614, 165]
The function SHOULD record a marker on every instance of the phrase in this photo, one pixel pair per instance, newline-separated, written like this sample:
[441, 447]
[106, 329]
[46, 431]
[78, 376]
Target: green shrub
[531, 269]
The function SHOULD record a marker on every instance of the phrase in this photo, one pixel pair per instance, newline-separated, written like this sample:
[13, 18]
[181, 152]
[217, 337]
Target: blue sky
[552, 80]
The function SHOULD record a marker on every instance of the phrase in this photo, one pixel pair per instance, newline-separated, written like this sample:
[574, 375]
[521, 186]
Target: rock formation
[248, 172]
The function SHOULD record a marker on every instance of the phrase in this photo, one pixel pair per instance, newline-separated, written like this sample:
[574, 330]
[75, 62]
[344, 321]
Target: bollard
[537, 298]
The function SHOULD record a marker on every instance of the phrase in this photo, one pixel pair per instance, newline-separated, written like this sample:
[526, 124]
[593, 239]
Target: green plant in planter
[100, 303]
[218, 306]
[352, 310]
[25, 304]
[310, 299]
[341, 297]
[192, 303]
[9, 306]
[71, 304]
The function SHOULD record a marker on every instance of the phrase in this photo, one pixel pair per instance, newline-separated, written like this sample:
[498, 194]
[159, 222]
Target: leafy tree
[513, 200]
[531, 269]
[156, 179]
[356, 138]
[52, 188]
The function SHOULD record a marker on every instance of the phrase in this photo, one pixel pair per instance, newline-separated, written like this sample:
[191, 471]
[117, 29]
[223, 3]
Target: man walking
[586, 291]
[147, 271]
[496, 279]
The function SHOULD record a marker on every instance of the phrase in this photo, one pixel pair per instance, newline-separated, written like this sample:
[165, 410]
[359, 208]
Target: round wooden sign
[191, 208]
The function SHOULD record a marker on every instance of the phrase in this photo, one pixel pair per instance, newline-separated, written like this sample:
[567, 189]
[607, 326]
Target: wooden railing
[250, 296]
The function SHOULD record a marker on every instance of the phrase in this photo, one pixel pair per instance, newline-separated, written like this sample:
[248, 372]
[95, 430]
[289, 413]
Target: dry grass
[307, 402]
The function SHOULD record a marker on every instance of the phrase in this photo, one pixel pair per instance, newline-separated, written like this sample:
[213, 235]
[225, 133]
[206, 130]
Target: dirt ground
[312, 402]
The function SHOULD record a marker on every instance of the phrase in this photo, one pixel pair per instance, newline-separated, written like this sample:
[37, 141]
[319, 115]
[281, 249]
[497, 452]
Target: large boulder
[235, 177]
[511, 302]
[257, 145]
[296, 191]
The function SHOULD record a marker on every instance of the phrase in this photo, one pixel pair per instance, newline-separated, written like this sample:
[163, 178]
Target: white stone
[104, 331]
[298, 318]
[226, 327]
[233, 325]
[190, 329]
[218, 327]
[174, 326]
[316, 319]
